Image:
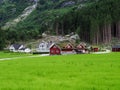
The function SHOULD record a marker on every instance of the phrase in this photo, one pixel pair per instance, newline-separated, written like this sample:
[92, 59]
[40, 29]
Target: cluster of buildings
[51, 48]
[55, 49]
[19, 48]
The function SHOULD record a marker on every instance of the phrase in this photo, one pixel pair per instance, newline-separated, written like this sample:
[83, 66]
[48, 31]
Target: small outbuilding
[94, 49]
[116, 48]
[55, 49]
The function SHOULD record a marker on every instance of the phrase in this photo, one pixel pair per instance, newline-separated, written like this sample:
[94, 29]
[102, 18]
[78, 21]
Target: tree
[2, 39]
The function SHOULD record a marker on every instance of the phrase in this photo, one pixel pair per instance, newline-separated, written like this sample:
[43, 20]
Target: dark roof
[16, 46]
[116, 46]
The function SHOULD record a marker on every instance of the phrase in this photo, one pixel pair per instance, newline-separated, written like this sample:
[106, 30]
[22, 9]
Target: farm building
[55, 49]
[94, 49]
[116, 48]
[15, 47]
[26, 50]
[68, 49]
[69, 46]
[80, 49]
[44, 47]
[19, 48]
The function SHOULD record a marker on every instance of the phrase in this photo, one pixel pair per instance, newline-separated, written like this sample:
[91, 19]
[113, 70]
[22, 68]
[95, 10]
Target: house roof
[116, 46]
[53, 45]
[69, 45]
[45, 43]
[16, 46]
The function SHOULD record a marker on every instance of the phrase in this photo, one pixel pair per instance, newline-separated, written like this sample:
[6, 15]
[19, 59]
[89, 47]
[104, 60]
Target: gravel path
[3, 59]
[107, 51]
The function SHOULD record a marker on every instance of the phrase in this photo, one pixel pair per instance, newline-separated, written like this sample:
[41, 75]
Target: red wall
[55, 51]
[95, 49]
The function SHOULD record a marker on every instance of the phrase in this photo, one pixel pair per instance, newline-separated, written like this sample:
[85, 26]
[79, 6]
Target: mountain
[96, 21]
[40, 20]
[9, 9]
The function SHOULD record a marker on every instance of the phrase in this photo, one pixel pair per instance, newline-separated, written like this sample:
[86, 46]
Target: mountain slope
[10, 9]
[27, 11]
[43, 18]
[96, 21]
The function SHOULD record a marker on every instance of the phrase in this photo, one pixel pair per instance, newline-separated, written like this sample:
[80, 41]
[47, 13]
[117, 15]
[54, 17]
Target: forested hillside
[96, 21]
[9, 9]
[40, 20]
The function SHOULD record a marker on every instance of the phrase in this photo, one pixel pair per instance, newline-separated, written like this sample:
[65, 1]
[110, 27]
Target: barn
[68, 49]
[55, 50]
[116, 48]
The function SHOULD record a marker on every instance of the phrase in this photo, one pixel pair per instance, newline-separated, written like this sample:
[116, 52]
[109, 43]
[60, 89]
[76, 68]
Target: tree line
[95, 23]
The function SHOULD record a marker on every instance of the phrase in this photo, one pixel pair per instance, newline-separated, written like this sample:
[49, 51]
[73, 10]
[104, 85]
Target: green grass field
[72, 72]
[11, 55]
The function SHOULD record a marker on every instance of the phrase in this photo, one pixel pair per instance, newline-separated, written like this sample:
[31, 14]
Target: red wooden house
[55, 50]
[80, 49]
[69, 49]
[94, 49]
[69, 46]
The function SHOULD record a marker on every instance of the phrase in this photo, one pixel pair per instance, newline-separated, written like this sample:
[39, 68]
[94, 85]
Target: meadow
[68, 72]
[11, 55]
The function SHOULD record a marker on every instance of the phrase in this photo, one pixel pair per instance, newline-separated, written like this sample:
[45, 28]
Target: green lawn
[72, 72]
[11, 55]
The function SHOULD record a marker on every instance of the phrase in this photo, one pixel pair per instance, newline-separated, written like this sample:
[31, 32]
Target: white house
[44, 46]
[15, 47]
[19, 48]
[25, 50]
